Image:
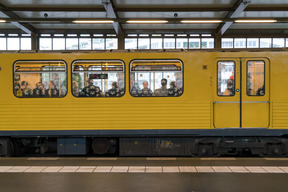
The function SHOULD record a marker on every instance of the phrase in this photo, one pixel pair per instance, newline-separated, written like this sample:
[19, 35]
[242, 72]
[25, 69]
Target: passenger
[26, 91]
[163, 91]
[91, 90]
[261, 91]
[39, 91]
[52, 91]
[63, 89]
[230, 88]
[232, 76]
[114, 91]
[173, 91]
[17, 90]
[134, 89]
[146, 91]
[75, 89]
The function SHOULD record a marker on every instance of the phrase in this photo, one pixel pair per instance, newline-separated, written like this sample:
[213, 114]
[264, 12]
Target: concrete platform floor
[143, 174]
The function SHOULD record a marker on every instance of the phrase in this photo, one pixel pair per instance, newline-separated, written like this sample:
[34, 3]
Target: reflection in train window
[98, 78]
[156, 78]
[226, 78]
[255, 78]
[40, 79]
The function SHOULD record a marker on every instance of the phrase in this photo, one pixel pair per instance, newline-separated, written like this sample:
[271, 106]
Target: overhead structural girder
[24, 27]
[145, 9]
[109, 7]
[240, 6]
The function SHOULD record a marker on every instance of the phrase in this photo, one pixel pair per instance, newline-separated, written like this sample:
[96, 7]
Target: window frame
[234, 79]
[247, 79]
[66, 72]
[182, 70]
[124, 71]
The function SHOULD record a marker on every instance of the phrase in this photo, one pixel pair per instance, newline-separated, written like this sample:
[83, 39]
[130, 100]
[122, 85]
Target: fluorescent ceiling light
[147, 21]
[201, 21]
[2, 21]
[93, 21]
[256, 21]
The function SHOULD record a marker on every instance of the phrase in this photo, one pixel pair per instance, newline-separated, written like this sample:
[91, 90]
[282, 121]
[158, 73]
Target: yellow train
[144, 103]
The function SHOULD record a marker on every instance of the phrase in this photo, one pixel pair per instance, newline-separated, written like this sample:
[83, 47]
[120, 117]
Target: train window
[226, 78]
[255, 78]
[40, 79]
[156, 78]
[98, 78]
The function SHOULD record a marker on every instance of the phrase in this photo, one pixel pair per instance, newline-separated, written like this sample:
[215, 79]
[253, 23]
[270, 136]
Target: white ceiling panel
[51, 3]
[259, 26]
[269, 14]
[171, 14]
[29, 14]
[7, 26]
[268, 2]
[173, 3]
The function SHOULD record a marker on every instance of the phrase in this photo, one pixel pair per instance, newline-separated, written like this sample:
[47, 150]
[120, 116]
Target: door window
[226, 78]
[255, 78]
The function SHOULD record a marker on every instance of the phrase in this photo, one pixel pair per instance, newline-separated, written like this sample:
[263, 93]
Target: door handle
[226, 102]
[255, 101]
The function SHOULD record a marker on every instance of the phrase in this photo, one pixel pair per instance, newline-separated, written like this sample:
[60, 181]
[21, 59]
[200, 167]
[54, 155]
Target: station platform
[143, 174]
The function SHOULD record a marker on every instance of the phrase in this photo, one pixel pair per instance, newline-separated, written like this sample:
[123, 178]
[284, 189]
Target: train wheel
[100, 146]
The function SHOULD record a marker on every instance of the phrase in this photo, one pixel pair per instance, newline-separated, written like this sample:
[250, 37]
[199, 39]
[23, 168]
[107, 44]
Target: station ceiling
[58, 16]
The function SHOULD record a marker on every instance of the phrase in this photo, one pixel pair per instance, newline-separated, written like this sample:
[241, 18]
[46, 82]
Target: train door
[255, 93]
[226, 104]
[241, 93]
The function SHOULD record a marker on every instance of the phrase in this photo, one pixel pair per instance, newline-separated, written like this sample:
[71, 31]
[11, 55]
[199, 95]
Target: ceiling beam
[144, 9]
[24, 27]
[124, 20]
[111, 13]
[240, 5]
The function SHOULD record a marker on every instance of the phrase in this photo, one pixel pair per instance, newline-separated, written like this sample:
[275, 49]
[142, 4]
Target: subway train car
[144, 103]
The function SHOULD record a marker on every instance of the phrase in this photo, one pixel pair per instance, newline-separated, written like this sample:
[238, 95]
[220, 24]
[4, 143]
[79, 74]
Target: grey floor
[174, 181]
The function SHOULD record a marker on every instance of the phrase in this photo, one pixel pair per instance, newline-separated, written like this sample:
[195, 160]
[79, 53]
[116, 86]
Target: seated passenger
[230, 88]
[261, 91]
[39, 91]
[115, 91]
[52, 91]
[75, 89]
[180, 91]
[173, 91]
[91, 90]
[63, 89]
[16, 89]
[26, 91]
[145, 91]
[134, 89]
[163, 91]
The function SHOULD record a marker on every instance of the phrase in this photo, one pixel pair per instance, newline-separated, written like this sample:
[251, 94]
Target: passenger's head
[145, 84]
[163, 82]
[39, 85]
[173, 84]
[74, 84]
[24, 84]
[230, 84]
[16, 86]
[115, 85]
[90, 82]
